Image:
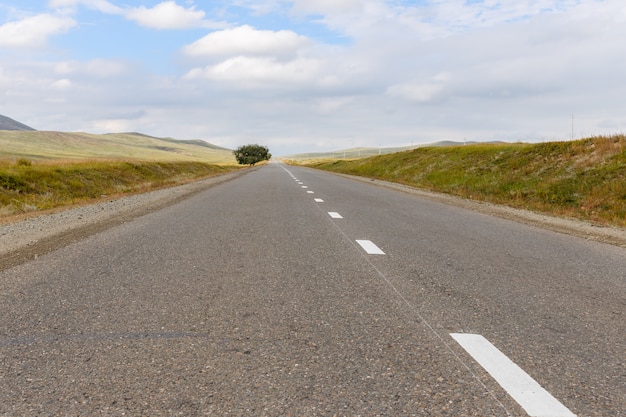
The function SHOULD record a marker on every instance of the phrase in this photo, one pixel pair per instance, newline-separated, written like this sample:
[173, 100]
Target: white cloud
[168, 15]
[165, 15]
[421, 93]
[327, 6]
[397, 71]
[332, 105]
[62, 84]
[441, 18]
[112, 125]
[252, 58]
[103, 6]
[104, 68]
[93, 69]
[33, 31]
[245, 40]
[259, 72]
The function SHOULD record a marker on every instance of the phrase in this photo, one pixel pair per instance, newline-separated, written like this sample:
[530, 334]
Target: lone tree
[251, 154]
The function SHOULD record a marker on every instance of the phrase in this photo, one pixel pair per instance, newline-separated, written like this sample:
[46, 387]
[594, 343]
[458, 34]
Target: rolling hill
[357, 153]
[44, 145]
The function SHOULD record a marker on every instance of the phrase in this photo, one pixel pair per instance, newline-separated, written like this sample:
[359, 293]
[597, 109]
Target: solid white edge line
[370, 247]
[335, 215]
[533, 398]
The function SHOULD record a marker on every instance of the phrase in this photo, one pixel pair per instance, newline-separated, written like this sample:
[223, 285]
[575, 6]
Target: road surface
[290, 291]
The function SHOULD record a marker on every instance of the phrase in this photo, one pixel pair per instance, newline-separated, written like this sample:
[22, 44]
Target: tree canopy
[251, 154]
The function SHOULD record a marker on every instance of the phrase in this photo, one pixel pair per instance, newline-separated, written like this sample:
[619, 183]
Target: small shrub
[13, 183]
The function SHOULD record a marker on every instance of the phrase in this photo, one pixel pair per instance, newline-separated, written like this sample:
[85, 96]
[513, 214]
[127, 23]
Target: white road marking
[526, 391]
[370, 247]
[310, 192]
[304, 186]
[319, 200]
[335, 215]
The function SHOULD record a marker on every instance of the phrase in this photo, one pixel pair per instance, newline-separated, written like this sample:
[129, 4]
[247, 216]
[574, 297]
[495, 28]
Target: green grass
[27, 186]
[584, 179]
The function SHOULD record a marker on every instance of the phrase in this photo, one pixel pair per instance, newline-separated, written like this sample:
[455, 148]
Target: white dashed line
[304, 186]
[319, 200]
[526, 391]
[370, 247]
[335, 215]
[310, 192]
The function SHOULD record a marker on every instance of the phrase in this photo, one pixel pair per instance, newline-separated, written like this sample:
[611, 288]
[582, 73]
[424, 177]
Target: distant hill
[6, 123]
[357, 153]
[43, 145]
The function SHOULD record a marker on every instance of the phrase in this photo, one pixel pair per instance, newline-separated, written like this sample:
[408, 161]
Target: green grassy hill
[40, 145]
[47, 170]
[585, 179]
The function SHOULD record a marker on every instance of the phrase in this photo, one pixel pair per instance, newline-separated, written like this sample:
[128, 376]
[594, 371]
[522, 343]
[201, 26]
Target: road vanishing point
[289, 291]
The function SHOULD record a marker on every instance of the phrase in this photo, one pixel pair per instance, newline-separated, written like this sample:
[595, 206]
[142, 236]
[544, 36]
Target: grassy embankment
[46, 170]
[583, 179]
[27, 187]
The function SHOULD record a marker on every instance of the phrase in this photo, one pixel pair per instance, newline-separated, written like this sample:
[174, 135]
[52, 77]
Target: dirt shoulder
[610, 235]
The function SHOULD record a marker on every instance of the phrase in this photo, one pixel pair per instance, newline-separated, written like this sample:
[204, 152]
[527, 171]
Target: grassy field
[56, 146]
[27, 187]
[584, 179]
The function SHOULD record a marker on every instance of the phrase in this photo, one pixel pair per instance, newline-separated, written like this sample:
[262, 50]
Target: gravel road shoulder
[27, 239]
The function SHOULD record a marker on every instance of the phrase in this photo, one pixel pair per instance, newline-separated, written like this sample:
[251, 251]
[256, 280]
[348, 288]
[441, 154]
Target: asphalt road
[255, 298]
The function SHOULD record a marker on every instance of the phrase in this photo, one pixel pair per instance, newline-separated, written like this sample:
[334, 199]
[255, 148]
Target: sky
[317, 75]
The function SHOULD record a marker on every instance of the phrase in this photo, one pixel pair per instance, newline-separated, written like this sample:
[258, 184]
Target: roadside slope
[584, 179]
